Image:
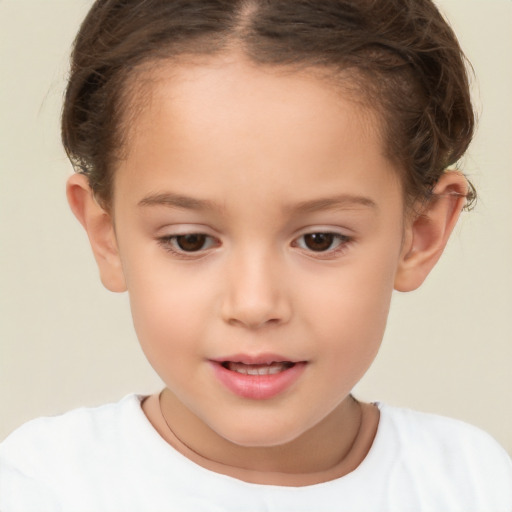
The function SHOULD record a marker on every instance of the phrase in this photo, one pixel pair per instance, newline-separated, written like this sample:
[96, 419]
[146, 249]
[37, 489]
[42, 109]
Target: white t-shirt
[111, 459]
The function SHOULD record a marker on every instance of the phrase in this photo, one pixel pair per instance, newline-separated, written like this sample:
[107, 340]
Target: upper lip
[266, 358]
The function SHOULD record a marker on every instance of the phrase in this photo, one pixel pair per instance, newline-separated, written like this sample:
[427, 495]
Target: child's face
[255, 163]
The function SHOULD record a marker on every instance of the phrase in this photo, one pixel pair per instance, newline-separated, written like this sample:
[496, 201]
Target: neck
[329, 450]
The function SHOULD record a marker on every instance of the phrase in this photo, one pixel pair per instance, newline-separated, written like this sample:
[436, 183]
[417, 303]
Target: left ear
[427, 233]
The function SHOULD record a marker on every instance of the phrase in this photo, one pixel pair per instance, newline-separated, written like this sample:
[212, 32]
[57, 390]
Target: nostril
[253, 324]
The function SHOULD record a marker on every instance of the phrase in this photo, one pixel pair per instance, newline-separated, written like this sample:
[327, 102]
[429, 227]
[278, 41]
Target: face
[259, 227]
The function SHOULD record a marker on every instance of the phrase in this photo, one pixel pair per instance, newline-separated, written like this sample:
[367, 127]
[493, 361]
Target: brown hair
[401, 55]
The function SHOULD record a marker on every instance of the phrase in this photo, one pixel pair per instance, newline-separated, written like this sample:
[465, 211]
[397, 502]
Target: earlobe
[427, 234]
[100, 229]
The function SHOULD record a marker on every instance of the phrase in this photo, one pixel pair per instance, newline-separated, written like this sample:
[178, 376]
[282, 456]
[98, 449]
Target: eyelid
[181, 229]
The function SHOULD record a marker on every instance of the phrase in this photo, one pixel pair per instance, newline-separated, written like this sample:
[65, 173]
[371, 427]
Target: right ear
[99, 226]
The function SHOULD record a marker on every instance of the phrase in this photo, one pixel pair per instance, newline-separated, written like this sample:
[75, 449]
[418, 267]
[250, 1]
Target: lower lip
[258, 387]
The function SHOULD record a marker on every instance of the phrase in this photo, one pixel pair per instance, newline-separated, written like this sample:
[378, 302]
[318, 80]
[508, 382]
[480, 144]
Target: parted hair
[400, 56]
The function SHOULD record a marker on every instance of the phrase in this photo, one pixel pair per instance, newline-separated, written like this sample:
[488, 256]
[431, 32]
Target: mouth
[258, 369]
[258, 378]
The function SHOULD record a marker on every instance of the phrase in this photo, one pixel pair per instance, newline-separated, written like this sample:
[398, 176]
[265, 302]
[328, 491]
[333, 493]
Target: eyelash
[170, 244]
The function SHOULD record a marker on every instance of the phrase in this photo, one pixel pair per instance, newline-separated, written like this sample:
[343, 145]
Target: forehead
[213, 116]
[202, 89]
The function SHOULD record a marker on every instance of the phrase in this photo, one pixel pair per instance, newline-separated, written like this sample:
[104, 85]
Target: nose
[256, 292]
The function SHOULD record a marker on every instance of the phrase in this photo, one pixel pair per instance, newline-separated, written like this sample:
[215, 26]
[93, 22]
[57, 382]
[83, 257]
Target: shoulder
[427, 431]
[47, 450]
[56, 433]
[448, 452]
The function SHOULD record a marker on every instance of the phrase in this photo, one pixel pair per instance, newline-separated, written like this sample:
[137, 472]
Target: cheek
[169, 311]
[349, 308]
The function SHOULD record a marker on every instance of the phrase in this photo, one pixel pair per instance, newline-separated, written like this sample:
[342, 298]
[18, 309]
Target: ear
[426, 234]
[100, 230]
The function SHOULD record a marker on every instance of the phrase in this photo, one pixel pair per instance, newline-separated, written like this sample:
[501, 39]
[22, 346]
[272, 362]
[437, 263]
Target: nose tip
[255, 309]
[253, 319]
[256, 297]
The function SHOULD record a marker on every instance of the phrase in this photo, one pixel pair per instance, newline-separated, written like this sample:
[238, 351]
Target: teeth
[258, 369]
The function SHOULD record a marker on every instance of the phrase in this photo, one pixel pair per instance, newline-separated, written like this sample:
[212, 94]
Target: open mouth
[258, 378]
[258, 369]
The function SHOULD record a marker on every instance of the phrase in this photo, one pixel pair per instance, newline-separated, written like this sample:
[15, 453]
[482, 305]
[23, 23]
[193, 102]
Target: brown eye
[190, 245]
[192, 242]
[319, 241]
[324, 243]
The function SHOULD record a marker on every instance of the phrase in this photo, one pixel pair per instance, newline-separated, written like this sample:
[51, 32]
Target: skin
[256, 159]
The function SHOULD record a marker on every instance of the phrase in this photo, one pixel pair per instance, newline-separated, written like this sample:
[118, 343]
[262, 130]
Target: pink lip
[257, 387]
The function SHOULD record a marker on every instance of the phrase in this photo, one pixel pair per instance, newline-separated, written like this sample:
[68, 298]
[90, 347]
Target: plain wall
[67, 342]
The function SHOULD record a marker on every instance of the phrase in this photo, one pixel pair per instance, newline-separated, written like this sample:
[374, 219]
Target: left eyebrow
[345, 201]
[178, 201]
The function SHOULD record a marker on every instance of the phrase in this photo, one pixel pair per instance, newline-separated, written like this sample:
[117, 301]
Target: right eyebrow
[178, 201]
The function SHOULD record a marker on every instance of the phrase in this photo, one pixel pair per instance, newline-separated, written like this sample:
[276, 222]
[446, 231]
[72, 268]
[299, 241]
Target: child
[260, 176]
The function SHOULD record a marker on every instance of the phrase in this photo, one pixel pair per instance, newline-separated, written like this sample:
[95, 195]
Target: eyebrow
[344, 201]
[178, 201]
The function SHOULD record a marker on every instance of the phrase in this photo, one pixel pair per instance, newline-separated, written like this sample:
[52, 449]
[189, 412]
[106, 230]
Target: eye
[188, 243]
[191, 243]
[322, 242]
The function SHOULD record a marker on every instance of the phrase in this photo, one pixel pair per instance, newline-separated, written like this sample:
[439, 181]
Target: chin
[260, 435]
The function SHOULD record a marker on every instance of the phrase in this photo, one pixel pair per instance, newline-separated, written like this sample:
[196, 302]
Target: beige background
[67, 342]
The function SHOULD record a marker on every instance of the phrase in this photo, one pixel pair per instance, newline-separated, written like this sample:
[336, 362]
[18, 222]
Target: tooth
[258, 369]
